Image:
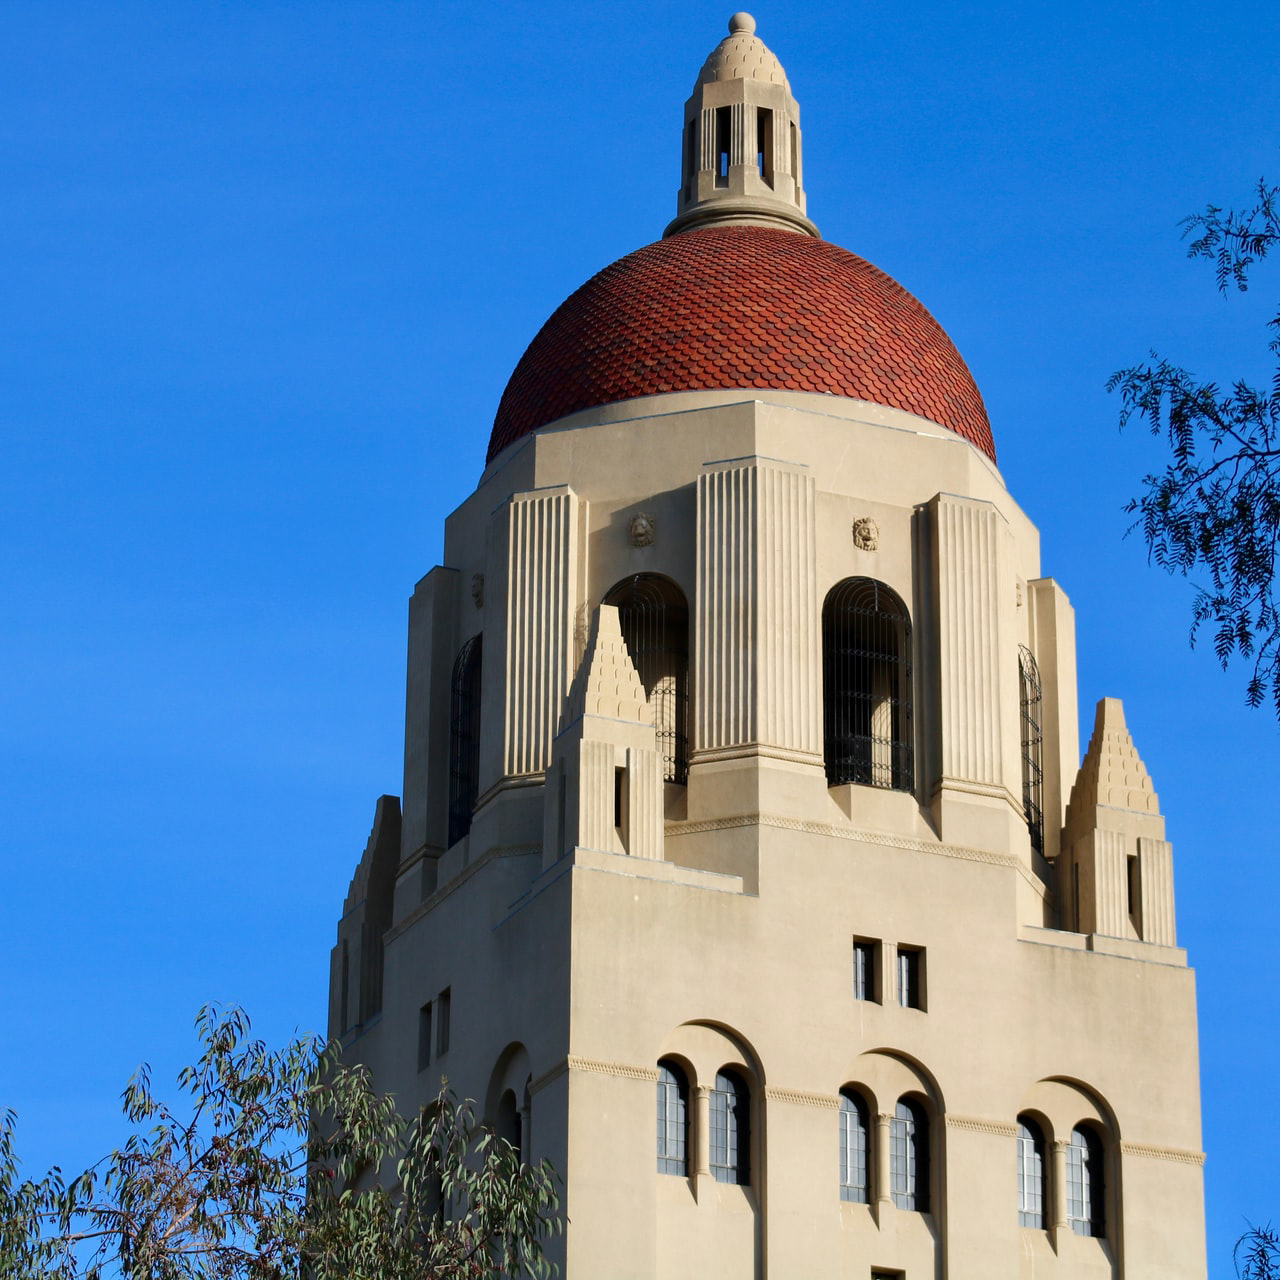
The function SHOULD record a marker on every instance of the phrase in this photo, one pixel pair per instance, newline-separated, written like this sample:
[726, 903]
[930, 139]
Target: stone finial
[741, 147]
[607, 684]
[1112, 773]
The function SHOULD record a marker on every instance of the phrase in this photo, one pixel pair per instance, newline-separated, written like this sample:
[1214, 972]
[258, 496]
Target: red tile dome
[741, 307]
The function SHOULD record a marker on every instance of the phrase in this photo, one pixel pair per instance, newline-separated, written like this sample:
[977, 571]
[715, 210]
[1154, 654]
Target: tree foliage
[287, 1164]
[1215, 508]
[1257, 1254]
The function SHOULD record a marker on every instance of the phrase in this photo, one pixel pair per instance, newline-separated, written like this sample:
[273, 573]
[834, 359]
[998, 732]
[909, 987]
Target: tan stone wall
[729, 942]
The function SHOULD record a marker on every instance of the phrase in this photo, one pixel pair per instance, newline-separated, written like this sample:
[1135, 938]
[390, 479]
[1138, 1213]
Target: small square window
[911, 977]
[443, 1002]
[864, 969]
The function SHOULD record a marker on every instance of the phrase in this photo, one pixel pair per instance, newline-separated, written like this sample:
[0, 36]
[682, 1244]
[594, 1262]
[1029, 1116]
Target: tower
[747, 869]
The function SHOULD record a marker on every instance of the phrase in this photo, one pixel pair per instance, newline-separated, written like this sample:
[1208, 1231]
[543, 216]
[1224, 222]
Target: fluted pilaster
[544, 554]
[757, 666]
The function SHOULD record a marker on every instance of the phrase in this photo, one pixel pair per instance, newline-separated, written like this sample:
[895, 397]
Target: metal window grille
[464, 738]
[909, 1157]
[864, 970]
[1031, 702]
[654, 618]
[1085, 1188]
[853, 1149]
[866, 686]
[673, 1120]
[1031, 1186]
[730, 1129]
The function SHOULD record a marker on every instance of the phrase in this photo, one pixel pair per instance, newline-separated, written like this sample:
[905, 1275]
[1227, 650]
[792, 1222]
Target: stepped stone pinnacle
[607, 684]
[1112, 774]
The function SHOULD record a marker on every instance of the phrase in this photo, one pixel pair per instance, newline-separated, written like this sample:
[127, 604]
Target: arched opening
[1031, 703]
[909, 1156]
[1032, 1186]
[866, 686]
[855, 1184]
[654, 618]
[673, 1119]
[464, 738]
[1086, 1183]
[731, 1128]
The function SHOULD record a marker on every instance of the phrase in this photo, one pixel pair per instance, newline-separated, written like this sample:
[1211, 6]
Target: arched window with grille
[854, 1147]
[731, 1128]
[673, 1119]
[1086, 1183]
[654, 618]
[909, 1156]
[866, 686]
[464, 738]
[1031, 1173]
[1031, 703]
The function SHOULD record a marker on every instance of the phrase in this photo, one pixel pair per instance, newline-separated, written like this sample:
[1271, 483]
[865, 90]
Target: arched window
[464, 738]
[866, 686]
[673, 1119]
[854, 1184]
[1031, 1180]
[1086, 1183]
[654, 618]
[1030, 701]
[731, 1128]
[909, 1156]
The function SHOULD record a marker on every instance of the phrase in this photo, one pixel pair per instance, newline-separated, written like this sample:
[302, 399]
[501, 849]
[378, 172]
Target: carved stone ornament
[477, 589]
[866, 534]
[642, 530]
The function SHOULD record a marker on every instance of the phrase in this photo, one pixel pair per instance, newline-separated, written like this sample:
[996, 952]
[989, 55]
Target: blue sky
[266, 269]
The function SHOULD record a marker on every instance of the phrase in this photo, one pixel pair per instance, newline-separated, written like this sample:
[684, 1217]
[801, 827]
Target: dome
[742, 55]
[741, 307]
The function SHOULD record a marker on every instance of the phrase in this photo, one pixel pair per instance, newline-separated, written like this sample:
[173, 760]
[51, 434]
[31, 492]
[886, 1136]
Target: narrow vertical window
[443, 1002]
[464, 738]
[864, 969]
[764, 144]
[910, 978]
[654, 618]
[690, 157]
[795, 153]
[866, 686]
[1085, 1184]
[673, 1120]
[507, 1122]
[909, 1157]
[424, 1037]
[1031, 1179]
[345, 989]
[1031, 701]
[854, 1185]
[731, 1129]
[723, 128]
